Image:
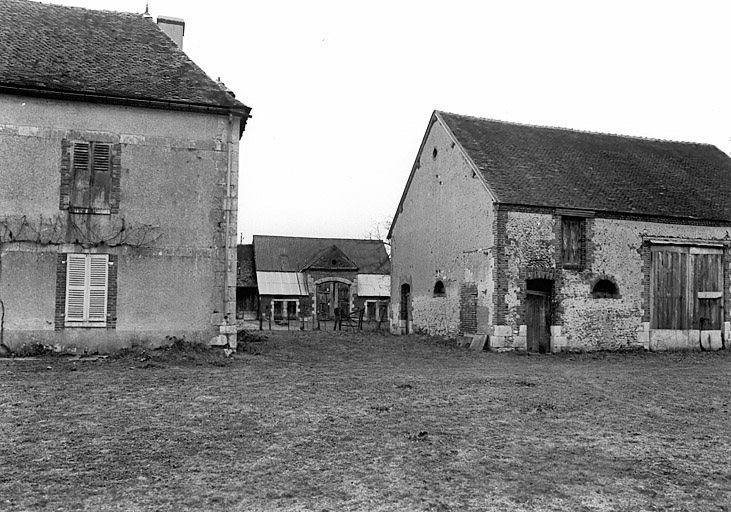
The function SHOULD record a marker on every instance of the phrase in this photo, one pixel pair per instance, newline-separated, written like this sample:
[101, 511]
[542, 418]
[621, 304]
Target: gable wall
[171, 205]
[444, 232]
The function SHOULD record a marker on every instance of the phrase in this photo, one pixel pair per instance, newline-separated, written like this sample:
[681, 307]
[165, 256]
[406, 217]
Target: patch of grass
[347, 421]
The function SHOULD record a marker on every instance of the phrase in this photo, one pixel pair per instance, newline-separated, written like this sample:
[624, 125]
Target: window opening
[439, 290]
[87, 277]
[91, 177]
[605, 289]
[573, 246]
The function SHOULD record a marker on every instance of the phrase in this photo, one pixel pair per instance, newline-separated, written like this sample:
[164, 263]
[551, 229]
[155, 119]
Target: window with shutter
[91, 180]
[572, 247]
[87, 278]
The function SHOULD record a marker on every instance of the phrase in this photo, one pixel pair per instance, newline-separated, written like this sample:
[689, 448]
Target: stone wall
[615, 249]
[443, 233]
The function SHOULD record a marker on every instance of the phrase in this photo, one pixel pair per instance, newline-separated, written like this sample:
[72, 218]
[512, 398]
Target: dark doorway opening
[404, 308]
[538, 315]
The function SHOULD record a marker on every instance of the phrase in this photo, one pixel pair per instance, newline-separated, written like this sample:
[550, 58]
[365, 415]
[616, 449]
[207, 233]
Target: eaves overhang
[238, 109]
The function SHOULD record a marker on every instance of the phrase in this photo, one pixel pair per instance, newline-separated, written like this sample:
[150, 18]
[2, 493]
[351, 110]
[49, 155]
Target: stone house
[306, 279]
[548, 239]
[118, 182]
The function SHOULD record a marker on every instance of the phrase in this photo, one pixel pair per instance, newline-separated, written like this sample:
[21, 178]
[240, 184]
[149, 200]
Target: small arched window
[439, 290]
[605, 289]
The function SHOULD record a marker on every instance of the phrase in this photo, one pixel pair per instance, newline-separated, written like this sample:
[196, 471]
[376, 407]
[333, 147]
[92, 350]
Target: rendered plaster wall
[614, 251]
[443, 232]
[172, 207]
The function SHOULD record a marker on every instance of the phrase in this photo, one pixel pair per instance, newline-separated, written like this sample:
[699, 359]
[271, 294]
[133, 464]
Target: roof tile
[123, 55]
[562, 168]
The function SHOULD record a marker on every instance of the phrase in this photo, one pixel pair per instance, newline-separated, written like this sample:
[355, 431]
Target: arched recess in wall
[605, 288]
[404, 307]
[439, 289]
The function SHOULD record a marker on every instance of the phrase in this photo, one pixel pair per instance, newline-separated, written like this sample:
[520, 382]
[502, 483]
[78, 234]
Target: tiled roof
[291, 254]
[555, 167]
[56, 49]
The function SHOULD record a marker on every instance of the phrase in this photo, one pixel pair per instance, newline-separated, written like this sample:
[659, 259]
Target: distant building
[548, 239]
[118, 178]
[307, 279]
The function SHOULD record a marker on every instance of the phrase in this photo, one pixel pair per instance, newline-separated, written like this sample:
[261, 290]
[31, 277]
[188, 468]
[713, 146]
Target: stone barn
[550, 239]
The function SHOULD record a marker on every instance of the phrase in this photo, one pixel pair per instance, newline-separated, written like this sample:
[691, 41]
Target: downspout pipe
[227, 241]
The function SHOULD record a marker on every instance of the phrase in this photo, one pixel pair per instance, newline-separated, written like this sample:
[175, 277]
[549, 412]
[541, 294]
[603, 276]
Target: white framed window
[87, 285]
[285, 309]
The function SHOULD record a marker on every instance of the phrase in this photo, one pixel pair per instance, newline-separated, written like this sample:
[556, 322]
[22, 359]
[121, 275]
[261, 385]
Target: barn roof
[104, 56]
[293, 254]
[557, 167]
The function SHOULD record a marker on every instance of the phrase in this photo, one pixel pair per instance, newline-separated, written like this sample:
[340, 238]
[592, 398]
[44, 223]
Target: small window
[86, 290]
[371, 310]
[573, 242]
[91, 177]
[285, 310]
[605, 289]
[439, 290]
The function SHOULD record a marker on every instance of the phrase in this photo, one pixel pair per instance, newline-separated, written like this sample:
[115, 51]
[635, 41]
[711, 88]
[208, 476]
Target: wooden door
[537, 319]
[686, 296]
[707, 289]
[670, 288]
[343, 297]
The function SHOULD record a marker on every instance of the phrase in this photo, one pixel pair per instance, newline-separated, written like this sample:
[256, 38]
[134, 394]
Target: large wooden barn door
[686, 296]
[707, 289]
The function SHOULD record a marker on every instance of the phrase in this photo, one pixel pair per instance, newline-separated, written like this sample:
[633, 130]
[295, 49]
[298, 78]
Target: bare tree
[379, 231]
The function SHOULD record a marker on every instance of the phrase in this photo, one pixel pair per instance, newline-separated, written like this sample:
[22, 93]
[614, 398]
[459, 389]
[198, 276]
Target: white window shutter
[98, 273]
[75, 287]
[86, 288]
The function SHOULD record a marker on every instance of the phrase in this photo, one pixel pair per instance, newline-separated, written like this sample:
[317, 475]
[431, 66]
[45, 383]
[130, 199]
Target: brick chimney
[173, 27]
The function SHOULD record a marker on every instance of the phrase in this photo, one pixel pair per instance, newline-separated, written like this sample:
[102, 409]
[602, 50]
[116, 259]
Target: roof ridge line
[576, 130]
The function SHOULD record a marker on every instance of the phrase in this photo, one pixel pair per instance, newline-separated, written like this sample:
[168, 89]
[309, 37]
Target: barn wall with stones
[528, 244]
[443, 232]
[166, 234]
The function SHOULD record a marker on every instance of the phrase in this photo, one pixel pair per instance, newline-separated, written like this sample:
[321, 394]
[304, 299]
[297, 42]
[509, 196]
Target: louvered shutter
[81, 175]
[98, 270]
[101, 177]
[86, 288]
[75, 287]
[572, 241]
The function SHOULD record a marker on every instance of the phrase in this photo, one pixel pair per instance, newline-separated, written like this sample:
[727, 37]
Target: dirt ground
[327, 421]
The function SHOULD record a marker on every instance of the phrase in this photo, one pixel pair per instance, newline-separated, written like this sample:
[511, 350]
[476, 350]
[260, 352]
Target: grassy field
[341, 421]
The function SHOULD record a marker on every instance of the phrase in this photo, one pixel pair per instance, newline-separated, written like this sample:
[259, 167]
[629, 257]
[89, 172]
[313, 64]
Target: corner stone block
[714, 341]
[497, 342]
[523, 330]
[556, 331]
[558, 343]
[503, 331]
[218, 341]
[228, 329]
[520, 343]
[217, 319]
[643, 338]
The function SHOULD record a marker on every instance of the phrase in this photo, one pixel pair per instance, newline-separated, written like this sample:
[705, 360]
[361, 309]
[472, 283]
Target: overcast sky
[342, 91]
